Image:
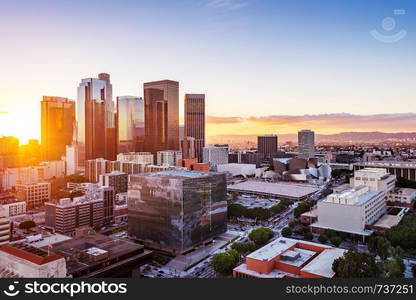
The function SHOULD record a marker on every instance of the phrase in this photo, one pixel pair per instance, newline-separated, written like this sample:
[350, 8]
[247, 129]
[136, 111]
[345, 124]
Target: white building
[402, 197]
[215, 155]
[351, 210]
[25, 261]
[306, 143]
[376, 179]
[168, 157]
[244, 170]
[14, 209]
[137, 157]
[71, 160]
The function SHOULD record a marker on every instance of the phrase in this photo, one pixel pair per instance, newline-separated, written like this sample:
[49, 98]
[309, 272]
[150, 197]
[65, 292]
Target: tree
[242, 248]
[395, 268]
[27, 224]
[286, 232]
[225, 262]
[336, 241]
[308, 236]
[261, 236]
[322, 238]
[404, 234]
[303, 207]
[379, 246]
[354, 264]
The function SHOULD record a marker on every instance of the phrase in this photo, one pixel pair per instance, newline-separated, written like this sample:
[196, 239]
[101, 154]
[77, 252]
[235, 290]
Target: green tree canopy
[261, 236]
[356, 265]
[225, 262]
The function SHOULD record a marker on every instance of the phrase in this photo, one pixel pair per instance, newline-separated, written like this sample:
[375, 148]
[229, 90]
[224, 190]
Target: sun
[21, 124]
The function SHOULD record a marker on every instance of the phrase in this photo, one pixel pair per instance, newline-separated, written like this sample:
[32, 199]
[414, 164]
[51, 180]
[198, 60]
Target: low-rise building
[351, 210]
[169, 157]
[4, 227]
[402, 197]
[288, 258]
[244, 170]
[25, 261]
[34, 194]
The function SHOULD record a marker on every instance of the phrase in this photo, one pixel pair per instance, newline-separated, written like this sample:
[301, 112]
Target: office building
[137, 157]
[68, 214]
[177, 210]
[401, 169]
[168, 157]
[34, 194]
[116, 179]
[376, 179]
[351, 210]
[195, 122]
[13, 208]
[188, 148]
[130, 118]
[57, 122]
[21, 260]
[267, 145]
[306, 144]
[215, 155]
[244, 170]
[403, 197]
[161, 115]
[9, 152]
[289, 258]
[97, 134]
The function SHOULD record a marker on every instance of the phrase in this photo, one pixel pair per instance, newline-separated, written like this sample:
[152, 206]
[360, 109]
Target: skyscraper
[267, 144]
[195, 121]
[130, 118]
[97, 135]
[57, 122]
[161, 100]
[306, 142]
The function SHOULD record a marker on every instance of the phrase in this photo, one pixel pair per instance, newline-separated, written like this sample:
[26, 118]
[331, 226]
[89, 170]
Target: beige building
[376, 179]
[14, 209]
[137, 157]
[402, 197]
[4, 226]
[25, 261]
[34, 194]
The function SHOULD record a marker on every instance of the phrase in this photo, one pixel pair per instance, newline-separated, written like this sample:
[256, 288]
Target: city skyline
[305, 65]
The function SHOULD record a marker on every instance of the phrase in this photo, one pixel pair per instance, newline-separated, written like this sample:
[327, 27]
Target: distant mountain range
[343, 137]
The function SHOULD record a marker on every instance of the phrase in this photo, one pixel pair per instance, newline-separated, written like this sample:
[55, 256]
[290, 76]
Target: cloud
[334, 122]
[227, 4]
[224, 120]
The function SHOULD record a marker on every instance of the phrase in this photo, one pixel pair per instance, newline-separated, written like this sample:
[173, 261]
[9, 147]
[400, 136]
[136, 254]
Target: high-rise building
[116, 179]
[306, 143]
[177, 210]
[168, 157]
[97, 134]
[130, 118]
[57, 122]
[161, 100]
[9, 152]
[188, 148]
[195, 121]
[267, 144]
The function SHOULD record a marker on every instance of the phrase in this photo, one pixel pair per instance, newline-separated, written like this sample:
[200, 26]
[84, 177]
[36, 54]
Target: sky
[265, 66]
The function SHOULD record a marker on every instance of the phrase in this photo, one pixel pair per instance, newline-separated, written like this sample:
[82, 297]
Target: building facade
[215, 155]
[177, 210]
[306, 144]
[267, 144]
[97, 134]
[161, 115]
[35, 194]
[116, 179]
[168, 157]
[195, 122]
[57, 122]
[130, 118]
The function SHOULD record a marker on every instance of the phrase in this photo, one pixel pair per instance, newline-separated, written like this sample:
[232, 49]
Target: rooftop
[322, 264]
[353, 196]
[277, 189]
[398, 164]
[28, 252]
[177, 173]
